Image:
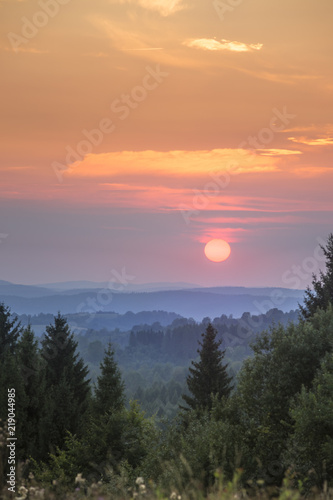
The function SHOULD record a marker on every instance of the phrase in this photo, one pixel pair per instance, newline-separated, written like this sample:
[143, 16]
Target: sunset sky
[134, 131]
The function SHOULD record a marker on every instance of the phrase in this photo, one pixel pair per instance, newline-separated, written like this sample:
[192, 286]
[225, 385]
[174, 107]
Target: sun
[217, 250]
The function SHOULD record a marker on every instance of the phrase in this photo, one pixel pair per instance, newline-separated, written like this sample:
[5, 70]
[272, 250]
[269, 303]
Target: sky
[135, 131]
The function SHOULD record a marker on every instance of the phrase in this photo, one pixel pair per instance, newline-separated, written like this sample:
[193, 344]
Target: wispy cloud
[278, 152]
[323, 141]
[169, 164]
[213, 44]
[278, 75]
[147, 48]
[27, 50]
[163, 7]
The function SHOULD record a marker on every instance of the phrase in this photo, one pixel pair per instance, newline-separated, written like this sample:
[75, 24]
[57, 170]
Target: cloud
[213, 44]
[323, 141]
[161, 181]
[163, 7]
[136, 41]
[29, 50]
[148, 48]
[233, 228]
[276, 74]
[278, 152]
[122, 38]
[178, 164]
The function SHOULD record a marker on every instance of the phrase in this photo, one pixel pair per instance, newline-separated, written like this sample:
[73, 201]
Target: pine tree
[322, 294]
[59, 352]
[10, 376]
[208, 376]
[10, 330]
[29, 364]
[67, 388]
[109, 414]
[109, 393]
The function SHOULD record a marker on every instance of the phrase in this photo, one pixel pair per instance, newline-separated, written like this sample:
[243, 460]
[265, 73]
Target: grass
[117, 489]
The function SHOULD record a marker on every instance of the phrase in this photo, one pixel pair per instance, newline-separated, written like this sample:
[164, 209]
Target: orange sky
[134, 131]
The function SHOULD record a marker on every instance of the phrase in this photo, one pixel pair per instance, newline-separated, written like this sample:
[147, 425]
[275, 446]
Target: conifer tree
[109, 393]
[67, 387]
[29, 364]
[10, 330]
[10, 377]
[109, 414]
[208, 376]
[322, 294]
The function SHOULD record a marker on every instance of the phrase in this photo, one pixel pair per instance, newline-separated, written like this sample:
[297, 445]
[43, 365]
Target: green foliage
[10, 330]
[121, 436]
[67, 388]
[63, 465]
[310, 447]
[283, 362]
[117, 488]
[95, 352]
[161, 399]
[208, 376]
[11, 378]
[322, 294]
[10, 374]
[31, 369]
[109, 393]
[192, 453]
[140, 436]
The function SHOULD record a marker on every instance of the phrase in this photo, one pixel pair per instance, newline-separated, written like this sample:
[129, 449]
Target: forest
[226, 407]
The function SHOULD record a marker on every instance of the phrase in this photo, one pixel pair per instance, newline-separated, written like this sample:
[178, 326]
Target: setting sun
[217, 250]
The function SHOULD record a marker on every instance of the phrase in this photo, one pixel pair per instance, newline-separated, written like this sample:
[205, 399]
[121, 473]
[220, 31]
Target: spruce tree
[208, 376]
[109, 414]
[322, 294]
[10, 376]
[29, 363]
[109, 393]
[10, 330]
[67, 386]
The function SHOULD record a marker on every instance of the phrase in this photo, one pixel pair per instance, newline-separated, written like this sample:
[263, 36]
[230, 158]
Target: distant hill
[28, 291]
[130, 287]
[191, 302]
[81, 322]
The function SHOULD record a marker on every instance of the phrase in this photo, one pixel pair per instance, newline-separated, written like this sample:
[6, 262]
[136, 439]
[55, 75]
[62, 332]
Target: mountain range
[181, 298]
